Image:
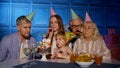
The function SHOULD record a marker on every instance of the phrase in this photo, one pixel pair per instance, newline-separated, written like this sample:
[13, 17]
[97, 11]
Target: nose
[86, 29]
[57, 40]
[28, 29]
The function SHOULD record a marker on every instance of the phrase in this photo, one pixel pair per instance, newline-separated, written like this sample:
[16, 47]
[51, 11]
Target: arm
[53, 56]
[69, 51]
[105, 50]
[3, 49]
[33, 42]
[65, 56]
[76, 45]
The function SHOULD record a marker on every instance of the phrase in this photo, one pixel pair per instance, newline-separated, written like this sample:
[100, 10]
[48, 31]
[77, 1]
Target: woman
[55, 26]
[91, 42]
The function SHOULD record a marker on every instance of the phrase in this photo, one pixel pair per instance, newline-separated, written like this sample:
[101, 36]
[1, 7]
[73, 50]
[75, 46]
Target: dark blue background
[105, 13]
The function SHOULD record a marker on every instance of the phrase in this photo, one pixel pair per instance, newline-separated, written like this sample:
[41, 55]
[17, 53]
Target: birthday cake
[44, 46]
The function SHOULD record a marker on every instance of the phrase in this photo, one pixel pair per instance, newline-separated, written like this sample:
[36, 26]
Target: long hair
[60, 24]
[59, 21]
[62, 35]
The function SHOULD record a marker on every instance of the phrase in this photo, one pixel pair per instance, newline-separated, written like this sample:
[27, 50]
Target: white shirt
[23, 45]
[92, 47]
[53, 47]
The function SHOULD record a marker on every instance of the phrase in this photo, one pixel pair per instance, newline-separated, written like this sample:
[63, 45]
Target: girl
[62, 51]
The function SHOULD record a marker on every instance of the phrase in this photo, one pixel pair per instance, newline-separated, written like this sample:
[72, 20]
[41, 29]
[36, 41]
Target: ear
[18, 27]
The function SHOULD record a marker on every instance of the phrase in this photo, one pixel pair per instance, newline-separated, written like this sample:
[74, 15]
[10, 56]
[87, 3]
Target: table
[40, 64]
[49, 64]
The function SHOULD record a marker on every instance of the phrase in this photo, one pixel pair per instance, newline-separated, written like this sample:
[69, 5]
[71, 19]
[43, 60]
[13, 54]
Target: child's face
[60, 41]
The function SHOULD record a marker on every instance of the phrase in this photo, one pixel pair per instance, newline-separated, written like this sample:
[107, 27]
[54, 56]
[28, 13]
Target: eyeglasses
[75, 26]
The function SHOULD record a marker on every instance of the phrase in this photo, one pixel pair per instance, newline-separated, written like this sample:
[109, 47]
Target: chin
[27, 37]
[87, 36]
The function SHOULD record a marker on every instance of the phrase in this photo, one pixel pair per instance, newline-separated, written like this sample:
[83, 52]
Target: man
[11, 45]
[75, 25]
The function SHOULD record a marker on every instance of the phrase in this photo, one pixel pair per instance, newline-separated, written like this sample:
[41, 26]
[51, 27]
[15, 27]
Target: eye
[25, 27]
[30, 27]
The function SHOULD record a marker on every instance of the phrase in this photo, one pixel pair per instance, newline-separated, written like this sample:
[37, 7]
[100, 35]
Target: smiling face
[54, 24]
[24, 29]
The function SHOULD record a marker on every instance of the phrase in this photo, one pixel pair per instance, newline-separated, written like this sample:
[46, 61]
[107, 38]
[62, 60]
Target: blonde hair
[96, 31]
[62, 35]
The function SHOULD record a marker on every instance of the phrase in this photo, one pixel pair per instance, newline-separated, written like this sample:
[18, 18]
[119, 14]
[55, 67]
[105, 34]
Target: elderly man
[75, 25]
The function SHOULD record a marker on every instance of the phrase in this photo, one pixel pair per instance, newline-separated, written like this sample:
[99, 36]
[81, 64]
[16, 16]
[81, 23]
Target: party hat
[52, 12]
[87, 17]
[74, 15]
[30, 16]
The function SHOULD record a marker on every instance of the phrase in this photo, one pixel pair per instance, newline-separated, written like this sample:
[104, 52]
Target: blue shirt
[10, 46]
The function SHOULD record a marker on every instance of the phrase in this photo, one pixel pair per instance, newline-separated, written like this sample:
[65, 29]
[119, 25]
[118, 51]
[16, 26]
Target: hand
[50, 30]
[53, 56]
[50, 33]
[62, 42]
[59, 55]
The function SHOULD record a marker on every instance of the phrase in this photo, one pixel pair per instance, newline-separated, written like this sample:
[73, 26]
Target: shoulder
[100, 40]
[100, 37]
[9, 37]
[68, 48]
[32, 38]
[78, 40]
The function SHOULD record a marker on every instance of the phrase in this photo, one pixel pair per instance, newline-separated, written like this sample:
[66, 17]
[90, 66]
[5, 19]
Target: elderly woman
[91, 42]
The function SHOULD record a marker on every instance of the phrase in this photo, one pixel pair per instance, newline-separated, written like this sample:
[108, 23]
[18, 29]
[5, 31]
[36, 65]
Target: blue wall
[105, 13]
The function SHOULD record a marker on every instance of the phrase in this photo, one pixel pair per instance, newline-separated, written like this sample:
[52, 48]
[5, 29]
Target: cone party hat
[30, 16]
[87, 17]
[52, 12]
[74, 15]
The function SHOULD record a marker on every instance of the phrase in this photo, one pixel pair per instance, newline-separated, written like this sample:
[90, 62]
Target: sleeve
[69, 51]
[76, 45]
[54, 53]
[105, 50]
[33, 41]
[3, 49]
